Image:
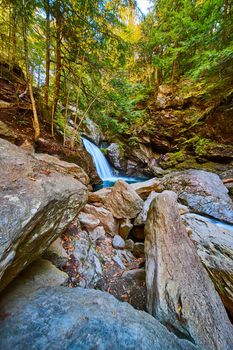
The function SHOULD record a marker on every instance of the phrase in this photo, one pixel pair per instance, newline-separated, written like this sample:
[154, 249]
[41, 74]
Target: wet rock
[125, 228]
[118, 242]
[141, 218]
[123, 201]
[35, 209]
[144, 188]
[83, 319]
[104, 216]
[214, 246]
[88, 261]
[88, 221]
[179, 291]
[203, 192]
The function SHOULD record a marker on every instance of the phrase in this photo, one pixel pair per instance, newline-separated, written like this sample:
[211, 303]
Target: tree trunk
[47, 59]
[36, 124]
[58, 60]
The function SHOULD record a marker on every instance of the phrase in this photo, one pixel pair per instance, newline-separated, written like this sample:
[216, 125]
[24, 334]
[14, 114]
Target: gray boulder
[203, 192]
[63, 318]
[215, 248]
[123, 201]
[35, 208]
[179, 291]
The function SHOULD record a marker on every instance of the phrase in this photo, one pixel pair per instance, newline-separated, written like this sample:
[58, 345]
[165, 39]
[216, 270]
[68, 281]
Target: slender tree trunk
[66, 116]
[58, 60]
[14, 38]
[36, 124]
[156, 71]
[47, 59]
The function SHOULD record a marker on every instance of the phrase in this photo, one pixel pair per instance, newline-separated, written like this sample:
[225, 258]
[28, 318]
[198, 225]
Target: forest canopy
[106, 58]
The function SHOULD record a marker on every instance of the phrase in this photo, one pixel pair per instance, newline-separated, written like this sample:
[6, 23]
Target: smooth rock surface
[35, 208]
[215, 248]
[123, 201]
[144, 188]
[179, 291]
[63, 318]
[203, 192]
[118, 242]
[104, 216]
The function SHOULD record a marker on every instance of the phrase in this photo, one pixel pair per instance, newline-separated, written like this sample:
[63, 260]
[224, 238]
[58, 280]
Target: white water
[103, 168]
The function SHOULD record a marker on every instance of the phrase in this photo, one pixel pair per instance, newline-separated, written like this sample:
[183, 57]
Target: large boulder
[64, 318]
[66, 168]
[215, 248]
[35, 208]
[179, 290]
[202, 191]
[123, 201]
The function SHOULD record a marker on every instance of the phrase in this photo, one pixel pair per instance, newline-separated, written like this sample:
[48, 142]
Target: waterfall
[102, 166]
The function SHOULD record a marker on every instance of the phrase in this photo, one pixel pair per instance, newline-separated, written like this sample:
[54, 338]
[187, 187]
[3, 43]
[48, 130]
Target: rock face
[64, 167]
[179, 290]
[123, 201]
[113, 153]
[202, 191]
[215, 248]
[88, 260]
[64, 318]
[35, 208]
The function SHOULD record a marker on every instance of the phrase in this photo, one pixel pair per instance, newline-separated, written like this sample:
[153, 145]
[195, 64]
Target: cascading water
[102, 166]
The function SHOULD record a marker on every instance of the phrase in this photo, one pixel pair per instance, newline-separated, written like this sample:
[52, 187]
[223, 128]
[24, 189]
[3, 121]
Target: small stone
[118, 242]
[119, 262]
